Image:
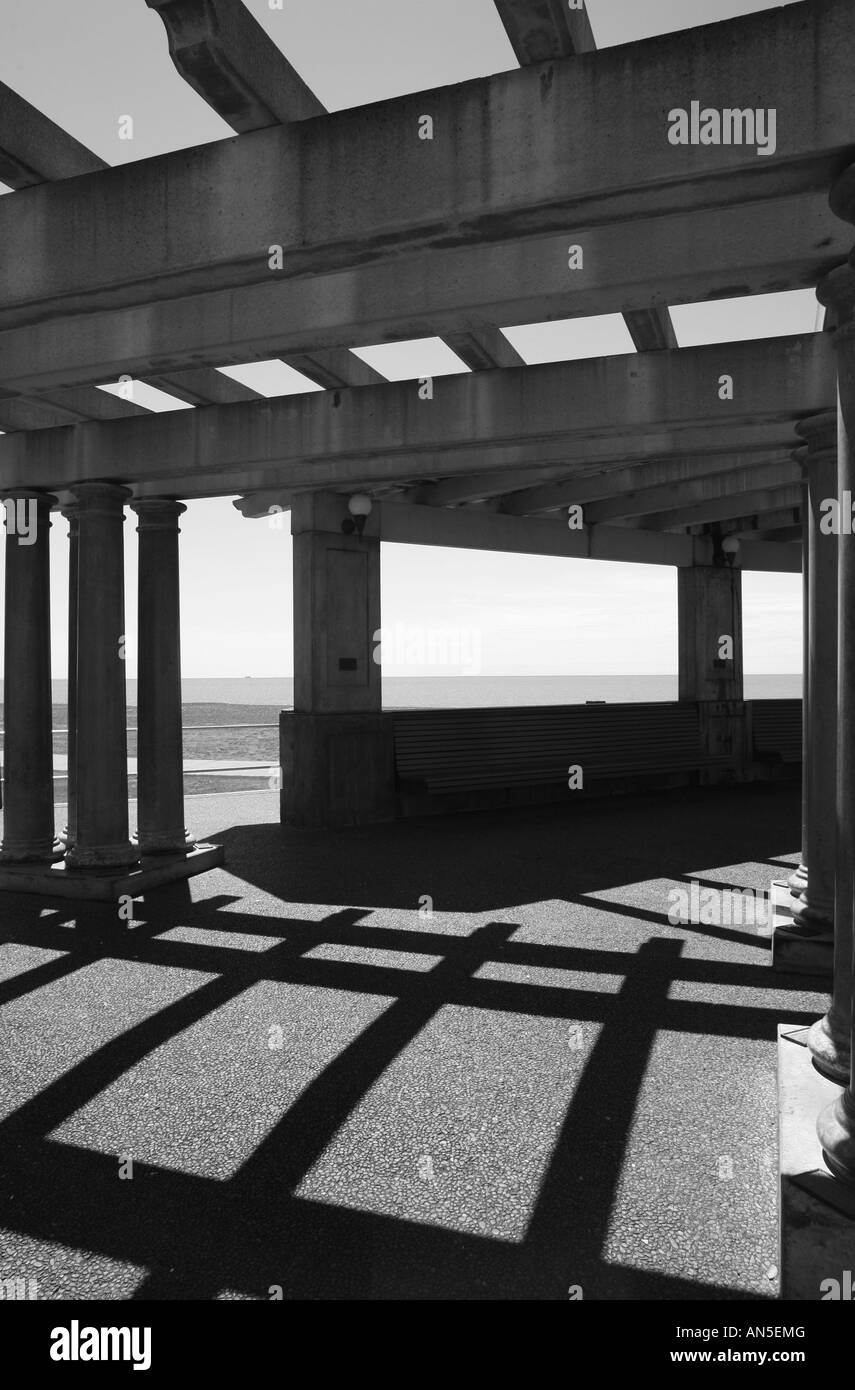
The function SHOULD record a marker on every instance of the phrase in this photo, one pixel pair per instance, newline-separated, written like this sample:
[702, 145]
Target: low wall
[351, 769]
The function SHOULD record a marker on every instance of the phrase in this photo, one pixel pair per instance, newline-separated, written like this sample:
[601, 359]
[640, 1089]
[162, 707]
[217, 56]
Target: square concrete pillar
[336, 747]
[336, 609]
[710, 612]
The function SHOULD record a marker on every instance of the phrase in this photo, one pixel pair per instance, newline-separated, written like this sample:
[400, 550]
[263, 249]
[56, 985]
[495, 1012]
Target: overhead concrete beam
[777, 534]
[333, 368]
[202, 386]
[744, 504]
[743, 250]
[617, 482]
[770, 558]
[513, 157]
[654, 403]
[767, 525]
[483, 347]
[225, 55]
[649, 501]
[651, 330]
[34, 150]
[544, 29]
[69, 406]
[415, 525]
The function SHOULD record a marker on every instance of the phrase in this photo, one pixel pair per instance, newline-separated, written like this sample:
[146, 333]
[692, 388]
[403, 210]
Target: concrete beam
[483, 348]
[779, 534]
[617, 482]
[34, 150]
[226, 56]
[71, 406]
[770, 558]
[741, 505]
[743, 250]
[650, 404]
[513, 158]
[413, 525]
[678, 496]
[651, 330]
[202, 386]
[333, 368]
[544, 29]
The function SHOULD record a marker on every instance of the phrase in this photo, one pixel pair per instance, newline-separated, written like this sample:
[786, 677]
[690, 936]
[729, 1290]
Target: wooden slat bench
[776, 728]
[461, 750]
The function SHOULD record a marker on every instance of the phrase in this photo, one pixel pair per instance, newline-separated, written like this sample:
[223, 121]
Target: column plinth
[28, 815]
[101, 838]
[160, 742]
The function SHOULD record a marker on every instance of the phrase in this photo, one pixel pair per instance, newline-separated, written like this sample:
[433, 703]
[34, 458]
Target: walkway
[541, 1085]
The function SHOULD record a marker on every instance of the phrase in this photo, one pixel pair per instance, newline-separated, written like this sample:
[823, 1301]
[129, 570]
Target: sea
[464, 692]
[231, 726]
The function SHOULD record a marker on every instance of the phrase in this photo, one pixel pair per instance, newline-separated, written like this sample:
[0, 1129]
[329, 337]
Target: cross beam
[646, 405]
[513, 157]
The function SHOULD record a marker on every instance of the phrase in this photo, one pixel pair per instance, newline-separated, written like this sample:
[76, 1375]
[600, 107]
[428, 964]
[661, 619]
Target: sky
[530, 614]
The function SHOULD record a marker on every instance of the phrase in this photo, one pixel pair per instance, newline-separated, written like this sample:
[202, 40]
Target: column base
[835, 1130]
[109, 886]
[120, 856]
[149, 843]
[830, 1051]
[813, 921]
[28, 854]
[801, 949]
[798, 881]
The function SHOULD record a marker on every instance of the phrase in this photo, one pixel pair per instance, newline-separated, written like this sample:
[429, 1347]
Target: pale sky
[532, 614]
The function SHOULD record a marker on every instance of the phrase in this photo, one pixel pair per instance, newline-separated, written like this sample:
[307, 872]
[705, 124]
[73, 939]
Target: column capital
[99, 497]
[19, 494]
[158, 513]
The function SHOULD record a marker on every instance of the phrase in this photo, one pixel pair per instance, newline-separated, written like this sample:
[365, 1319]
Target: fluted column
[101, 750]
[819, 457]
[28, 817]
[836, 1124]
[160, 753]
[797, 882]
[68, 834]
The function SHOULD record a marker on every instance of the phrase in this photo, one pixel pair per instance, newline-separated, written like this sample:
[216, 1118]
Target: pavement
[450, 1058]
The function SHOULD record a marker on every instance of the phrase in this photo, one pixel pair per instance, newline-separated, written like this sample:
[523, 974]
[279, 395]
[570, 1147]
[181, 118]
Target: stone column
[160, 743]
[28, 826]
[68, 834]
[836, 1124]
[709, 608]
[336, 747]
[101, 751]
[797, 882]
[819, 457]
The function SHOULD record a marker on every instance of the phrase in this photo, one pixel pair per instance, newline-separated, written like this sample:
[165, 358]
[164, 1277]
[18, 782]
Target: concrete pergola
[534, 195]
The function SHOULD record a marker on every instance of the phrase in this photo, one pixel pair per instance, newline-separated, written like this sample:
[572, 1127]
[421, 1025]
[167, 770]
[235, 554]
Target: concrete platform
[791, 949]
[457, 1058]
[108, 886]
[817, 1213]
